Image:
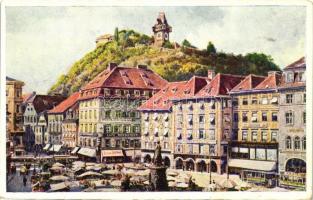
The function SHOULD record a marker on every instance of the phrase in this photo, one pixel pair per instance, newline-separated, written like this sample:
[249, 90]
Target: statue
[157, 157]
[157, 176]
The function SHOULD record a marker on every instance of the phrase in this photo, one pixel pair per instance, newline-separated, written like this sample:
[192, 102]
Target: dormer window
[137, 93]
[301, 77]
[118, 92]
[174, 89]
[208, 90]
[187, 91]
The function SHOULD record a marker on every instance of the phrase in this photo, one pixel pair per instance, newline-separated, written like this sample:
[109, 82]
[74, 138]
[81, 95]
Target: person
[24, 180]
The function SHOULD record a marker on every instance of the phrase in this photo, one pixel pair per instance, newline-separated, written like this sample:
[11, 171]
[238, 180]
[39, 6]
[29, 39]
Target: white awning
[75, 150]
[156, 131]
[189, 135]
[243, 150]
[190, 106]
[253, 119]
[227, 119]
[46, 147]
[165, 133]
[155, 116]
[253, 164]
[112, 153]
[202, 105]
[55, 147]
[87, 152]
[146, 133]
[178, 135]
[234, 149]
[189, 118]
[165, 117]
[212, 118]
[146, 117]
[211, 103]
[274, 100]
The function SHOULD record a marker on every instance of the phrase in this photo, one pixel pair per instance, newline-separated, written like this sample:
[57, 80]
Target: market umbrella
[89, 173]
[59, 186]
[116, 183]
[57, 164]
[228, 183]
[171, 184]
[146, 182]
[101, 165]
[59, 178]
[138, 179]
[143, 172]
[171, 173]
[110, 172]
[170, 178]
[55, 168]
[181, 185]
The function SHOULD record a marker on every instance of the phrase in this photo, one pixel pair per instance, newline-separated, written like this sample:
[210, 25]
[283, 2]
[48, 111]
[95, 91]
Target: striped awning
[253, 164]
[75, 150]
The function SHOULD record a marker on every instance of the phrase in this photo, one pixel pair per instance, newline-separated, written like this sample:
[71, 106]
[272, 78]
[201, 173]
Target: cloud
[43, 42]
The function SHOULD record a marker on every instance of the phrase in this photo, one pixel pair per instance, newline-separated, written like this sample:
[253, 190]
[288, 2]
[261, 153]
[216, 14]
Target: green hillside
[130, 48]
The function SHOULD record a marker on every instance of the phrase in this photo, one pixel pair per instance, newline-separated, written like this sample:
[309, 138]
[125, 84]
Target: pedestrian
[24, 181]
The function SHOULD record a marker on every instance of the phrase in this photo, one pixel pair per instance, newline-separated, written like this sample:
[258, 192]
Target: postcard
[171, 100]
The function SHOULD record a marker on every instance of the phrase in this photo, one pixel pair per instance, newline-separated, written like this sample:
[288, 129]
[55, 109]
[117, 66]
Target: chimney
[269, 73]
[211, 74]
[142, 66]
[112, 65]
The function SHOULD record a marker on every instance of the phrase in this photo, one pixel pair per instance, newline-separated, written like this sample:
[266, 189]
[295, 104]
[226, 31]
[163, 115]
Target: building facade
[254, 148]
[108, 105]
[36, 106]
[40, 130]
[157, 124]
[292, 117]
[15, 131]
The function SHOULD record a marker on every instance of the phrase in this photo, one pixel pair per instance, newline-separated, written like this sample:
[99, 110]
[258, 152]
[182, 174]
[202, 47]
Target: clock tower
[161, 30]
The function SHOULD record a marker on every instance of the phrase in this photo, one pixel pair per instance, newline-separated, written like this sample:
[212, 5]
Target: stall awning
[112, 153]
[87, 152]
[46, 147]
[55, 147]
[253, 164]
[75, 150]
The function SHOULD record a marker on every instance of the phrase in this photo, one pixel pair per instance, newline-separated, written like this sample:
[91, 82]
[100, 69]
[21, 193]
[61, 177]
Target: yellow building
[254, 150]
[14, 100]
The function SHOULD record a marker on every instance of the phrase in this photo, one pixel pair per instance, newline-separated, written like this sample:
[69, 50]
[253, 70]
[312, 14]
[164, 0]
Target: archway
[213, 166]
[179, 163]
[202, 166]
[295, 165]
[147, 159]
[167, 162]
[190, 165]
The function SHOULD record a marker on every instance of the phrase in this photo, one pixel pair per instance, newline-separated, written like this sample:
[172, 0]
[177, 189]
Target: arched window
[304, 143]
[297, 142]
[288, 142]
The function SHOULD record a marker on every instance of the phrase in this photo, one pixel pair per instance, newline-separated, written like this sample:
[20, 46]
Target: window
[244, 101]
[297, 143]
[190, 148]
[304, 143]
[274, 116]
[211, 134]
[235, 102]
[244, 117]
[301, 76]
[190, 119]
[264, 136]
[304, 117]
[289, 77]
[212, 149]
[304, 97]
[95, 114]
[179, 148]
[212, 119]
[274, 136]
[107, 143]
[89, 114]
[235, 117]
[201, 118]
[126, 129]
[254, 136]
[264, 116]
[254, 117]
[201, 148]
[107, 114]
[116, 129]
[289, 98]
[289, 117]
[201, 134]
[254, 100]
[244, 135]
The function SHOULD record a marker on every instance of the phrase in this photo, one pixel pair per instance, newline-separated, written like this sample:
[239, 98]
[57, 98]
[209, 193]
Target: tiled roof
[270, 82]
[124, 78]
[161, 100]
[297, 64]
[250, 82]
[220, 85]
[45, 102]
[66, 104]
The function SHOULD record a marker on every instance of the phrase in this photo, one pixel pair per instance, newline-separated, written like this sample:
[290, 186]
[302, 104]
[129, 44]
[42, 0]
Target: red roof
[250, 82]
[124, 78]
[191, 87]
[221, 84]
[270, 82]
[161, 100]
[66, 104]
[297, 64]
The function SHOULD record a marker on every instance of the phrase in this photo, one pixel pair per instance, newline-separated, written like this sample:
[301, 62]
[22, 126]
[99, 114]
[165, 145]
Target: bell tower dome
[161, 30]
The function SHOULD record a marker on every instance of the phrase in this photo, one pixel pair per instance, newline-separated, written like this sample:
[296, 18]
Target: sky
[43, 42]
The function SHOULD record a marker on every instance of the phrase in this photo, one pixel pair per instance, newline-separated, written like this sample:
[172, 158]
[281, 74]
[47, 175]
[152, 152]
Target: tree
[168, 45]
[186, 43]
[211, 48]
[116, 34]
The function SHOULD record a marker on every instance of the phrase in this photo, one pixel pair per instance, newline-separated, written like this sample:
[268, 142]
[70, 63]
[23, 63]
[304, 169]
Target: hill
[131, 48]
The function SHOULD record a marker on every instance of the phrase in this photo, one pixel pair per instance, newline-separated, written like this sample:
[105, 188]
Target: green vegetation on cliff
[131, 48]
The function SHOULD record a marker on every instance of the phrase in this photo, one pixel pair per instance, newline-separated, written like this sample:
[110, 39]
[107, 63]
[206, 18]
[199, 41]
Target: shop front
[87, 154]
[112, 156]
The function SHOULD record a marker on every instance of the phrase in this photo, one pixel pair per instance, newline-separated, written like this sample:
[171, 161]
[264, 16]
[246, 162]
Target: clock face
[166, 36]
